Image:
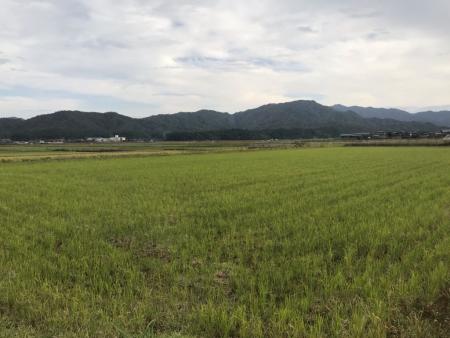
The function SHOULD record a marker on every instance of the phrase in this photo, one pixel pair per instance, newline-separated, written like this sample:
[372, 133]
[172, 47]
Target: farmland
[33, 152]
[304, 242]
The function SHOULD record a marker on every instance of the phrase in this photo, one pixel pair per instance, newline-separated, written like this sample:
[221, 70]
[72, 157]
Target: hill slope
[296, 114]
[441, 118]
[381, 113]
[188, 122]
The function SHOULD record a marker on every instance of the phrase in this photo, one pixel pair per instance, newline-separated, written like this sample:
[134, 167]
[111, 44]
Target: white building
[117, 138]
[114, 139]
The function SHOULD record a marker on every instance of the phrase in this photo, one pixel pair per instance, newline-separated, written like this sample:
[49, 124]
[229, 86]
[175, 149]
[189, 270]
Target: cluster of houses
[114, 139]
[381, 135]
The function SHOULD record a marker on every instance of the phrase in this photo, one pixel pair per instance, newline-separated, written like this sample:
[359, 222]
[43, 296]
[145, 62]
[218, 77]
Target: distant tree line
[243, 134]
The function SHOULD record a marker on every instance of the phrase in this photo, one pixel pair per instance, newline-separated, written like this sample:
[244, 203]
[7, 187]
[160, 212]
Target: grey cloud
[103, 43]
[279, 65]
[204, 61]
[177, 94]
[362, 15]
[377, 35]
[306, 29]
[178, 24]
[70, 9]
[235, 63]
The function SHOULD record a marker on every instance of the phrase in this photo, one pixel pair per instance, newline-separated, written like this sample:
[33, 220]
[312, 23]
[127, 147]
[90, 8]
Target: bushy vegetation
[333, 242]
[243, 134]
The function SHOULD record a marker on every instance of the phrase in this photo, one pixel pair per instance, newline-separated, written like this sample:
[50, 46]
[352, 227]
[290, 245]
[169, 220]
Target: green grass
[332, 242]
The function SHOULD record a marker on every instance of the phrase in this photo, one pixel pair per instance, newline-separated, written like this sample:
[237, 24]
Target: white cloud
[15, 106]
[167, 56]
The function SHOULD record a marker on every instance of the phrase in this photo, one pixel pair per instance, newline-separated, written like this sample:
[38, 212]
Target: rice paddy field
[304, 242]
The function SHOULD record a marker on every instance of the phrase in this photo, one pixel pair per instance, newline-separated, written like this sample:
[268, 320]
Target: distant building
[114, 139]
[117, 138]
[356, 136]
[380, 135]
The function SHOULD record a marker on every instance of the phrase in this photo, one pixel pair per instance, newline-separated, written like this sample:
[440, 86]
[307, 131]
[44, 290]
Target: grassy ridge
[309, 243]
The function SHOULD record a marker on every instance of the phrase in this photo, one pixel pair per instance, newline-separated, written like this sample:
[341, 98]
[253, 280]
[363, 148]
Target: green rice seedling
[304, 242]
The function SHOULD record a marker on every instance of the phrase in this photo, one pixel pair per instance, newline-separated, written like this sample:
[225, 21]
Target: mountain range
[291, 119]
[439, 118]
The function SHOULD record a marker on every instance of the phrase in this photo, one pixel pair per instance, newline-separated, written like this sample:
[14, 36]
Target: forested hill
[440, 118]
[305, 117]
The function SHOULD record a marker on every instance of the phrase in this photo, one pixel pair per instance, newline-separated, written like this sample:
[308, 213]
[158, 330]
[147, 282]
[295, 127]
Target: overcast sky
[144, 57]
